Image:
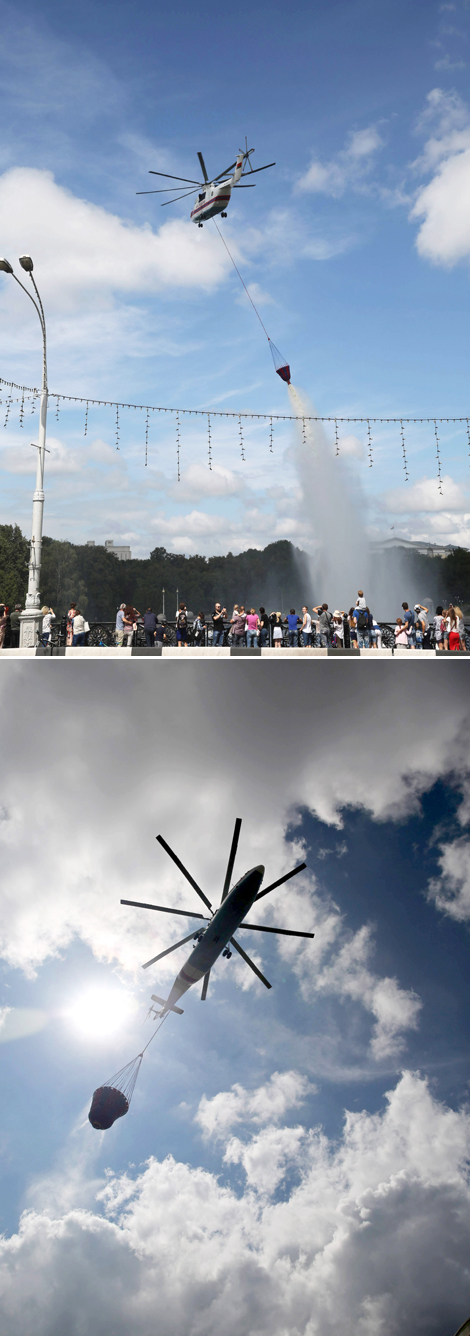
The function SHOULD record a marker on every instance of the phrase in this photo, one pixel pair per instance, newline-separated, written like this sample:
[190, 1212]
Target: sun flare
[100, 1012]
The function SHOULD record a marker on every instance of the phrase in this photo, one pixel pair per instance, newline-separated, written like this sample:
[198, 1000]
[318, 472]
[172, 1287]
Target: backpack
[363, 620]
[181, 621]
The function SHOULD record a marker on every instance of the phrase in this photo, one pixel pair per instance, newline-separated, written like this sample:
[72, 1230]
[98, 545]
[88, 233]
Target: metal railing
[103, 633]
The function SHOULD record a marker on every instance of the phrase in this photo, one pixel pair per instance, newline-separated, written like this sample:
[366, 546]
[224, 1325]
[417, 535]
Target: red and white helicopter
[213, 196]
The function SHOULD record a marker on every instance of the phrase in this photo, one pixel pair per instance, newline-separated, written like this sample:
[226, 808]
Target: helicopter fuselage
[210, 201]
[217, 935]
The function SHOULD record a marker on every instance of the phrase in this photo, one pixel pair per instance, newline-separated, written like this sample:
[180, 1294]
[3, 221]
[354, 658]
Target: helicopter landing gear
[227, 953]
[200, 224]
[223, 215]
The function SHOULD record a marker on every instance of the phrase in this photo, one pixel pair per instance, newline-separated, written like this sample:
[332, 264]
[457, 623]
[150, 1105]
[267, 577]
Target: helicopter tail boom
[164, 1004]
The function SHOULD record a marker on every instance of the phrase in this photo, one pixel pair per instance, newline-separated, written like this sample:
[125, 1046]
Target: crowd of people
[319, 628]
[315, 628]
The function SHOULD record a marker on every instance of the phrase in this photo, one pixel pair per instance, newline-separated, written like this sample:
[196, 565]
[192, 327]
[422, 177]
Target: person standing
[401, 637]
[238, 624]
[79, 633]
[119, 623]
[438, 622]
[70, 617]
[218, 617]
[460, 623]
[3, 623]
[276, 619]
[182, 628]
[293, 622]
[306, 627]
[15, 626]
[150, 626]
[452, 628]
[338, 629]
[129, 624]
[199, 630]
[263, 628]
[352, 628]
[409, 622]
[363, 620]
[326, 624]
[252, 622]
[47, 619]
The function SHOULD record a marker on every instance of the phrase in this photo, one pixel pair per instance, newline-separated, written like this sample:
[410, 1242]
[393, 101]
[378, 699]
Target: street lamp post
[31, 617]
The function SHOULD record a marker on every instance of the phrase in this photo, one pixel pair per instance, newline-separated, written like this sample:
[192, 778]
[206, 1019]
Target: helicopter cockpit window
[203, 196]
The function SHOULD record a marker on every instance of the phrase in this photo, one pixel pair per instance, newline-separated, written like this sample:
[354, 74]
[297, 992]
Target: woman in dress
[70, 616]
[452, 630]
[276, 619]
[461, 626]
[401, 637]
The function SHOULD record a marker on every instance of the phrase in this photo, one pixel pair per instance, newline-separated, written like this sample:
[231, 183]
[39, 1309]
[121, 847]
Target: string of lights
[33, 393]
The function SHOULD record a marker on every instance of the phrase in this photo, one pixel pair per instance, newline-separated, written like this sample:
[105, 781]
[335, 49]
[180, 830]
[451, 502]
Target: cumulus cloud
[349, 168]
[198, 480]
[442, 206]
[450, 891]
[389, 1198]
[424, 496]
[44, 792]
[267, 1104]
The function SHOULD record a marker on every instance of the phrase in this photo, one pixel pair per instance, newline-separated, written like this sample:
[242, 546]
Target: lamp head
[6, 266]
[26, 263]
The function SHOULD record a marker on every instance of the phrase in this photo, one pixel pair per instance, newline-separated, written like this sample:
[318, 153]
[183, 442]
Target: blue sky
[356, 246]
[264, 1126]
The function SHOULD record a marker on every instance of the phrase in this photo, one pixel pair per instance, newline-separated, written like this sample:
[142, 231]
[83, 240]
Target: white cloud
[267, 1104]
[352, 447]
[423, 496]
[450, 891]
[198, 480]
[443, 204]
[349, 168]
[80, 897]
[389, 1198]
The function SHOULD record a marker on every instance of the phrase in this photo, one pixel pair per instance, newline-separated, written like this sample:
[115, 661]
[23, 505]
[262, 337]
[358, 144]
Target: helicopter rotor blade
[185, 913]
[205, 985]
[232, 857]
[249, 962]
[188, 180]
[238, 186]
[226, 171]
[168, 951]
[285, 932]
[203, 168]
[184, 870]
[177, 197]
[166, 190]
[281, 880]
[260, 169]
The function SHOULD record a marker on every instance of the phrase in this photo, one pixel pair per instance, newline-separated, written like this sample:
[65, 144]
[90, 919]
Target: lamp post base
[30, 624]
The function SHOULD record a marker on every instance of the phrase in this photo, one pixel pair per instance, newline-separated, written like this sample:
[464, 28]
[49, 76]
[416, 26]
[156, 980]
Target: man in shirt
[15, 626]
[120, 625]
[150, 626]
[218, 616]
[422, 640]
[239, 627]
[325, 622]
[293, 625]
[263, 624]
[409, 624]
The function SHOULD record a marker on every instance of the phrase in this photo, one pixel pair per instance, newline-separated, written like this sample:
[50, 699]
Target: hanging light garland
[32, 394]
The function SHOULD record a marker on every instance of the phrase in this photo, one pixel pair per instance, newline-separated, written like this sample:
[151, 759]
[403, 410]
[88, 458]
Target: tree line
[278, 577]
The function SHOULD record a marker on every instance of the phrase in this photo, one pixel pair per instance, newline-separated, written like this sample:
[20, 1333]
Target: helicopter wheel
[200, 224]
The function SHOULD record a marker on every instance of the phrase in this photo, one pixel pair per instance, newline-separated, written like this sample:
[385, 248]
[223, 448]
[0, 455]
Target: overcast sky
[355, 246]
[292, 1160]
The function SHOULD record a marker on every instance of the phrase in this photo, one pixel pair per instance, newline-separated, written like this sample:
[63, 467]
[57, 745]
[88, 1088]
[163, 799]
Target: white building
[414, 545]
[122, 553]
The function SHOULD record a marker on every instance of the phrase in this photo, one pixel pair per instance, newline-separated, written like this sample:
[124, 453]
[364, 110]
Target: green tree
[14, 557]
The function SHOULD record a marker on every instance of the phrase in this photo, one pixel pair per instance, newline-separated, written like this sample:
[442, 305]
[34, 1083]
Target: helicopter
[213, 196]
[218, 937]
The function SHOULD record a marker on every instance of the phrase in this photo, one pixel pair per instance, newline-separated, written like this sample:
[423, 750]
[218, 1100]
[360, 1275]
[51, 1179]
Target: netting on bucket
[112, 1099]
[281, 366]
